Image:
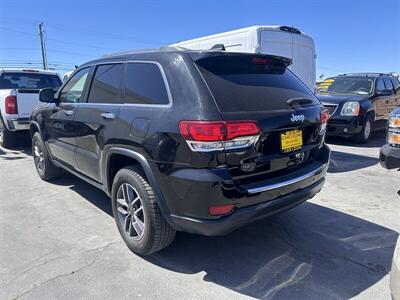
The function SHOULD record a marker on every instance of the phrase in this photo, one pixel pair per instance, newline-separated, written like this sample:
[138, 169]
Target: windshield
[344, 84]
[249, 83]
[29, 81]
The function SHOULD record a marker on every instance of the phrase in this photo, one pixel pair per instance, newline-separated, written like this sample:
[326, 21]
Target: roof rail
[366, 74]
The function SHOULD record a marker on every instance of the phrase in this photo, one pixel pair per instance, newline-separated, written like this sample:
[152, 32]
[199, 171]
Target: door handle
[68, 112]
[108, 115]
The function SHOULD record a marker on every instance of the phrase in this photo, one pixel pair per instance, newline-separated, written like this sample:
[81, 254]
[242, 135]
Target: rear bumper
[190, 192]
[246, 215]
[390, 157]
[18, 124]
[344, 126]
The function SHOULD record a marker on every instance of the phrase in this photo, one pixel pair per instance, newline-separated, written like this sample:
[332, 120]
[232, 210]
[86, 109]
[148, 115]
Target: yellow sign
[291, 141]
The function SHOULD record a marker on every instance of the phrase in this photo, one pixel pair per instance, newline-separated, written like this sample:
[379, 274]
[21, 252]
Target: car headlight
[350, 109]
[394, 130]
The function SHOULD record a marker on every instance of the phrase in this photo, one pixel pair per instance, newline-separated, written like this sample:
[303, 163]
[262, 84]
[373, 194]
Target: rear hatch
[27, 84]
[261, 88]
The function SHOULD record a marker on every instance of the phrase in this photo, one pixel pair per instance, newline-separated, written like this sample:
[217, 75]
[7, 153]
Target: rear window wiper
[300, 101]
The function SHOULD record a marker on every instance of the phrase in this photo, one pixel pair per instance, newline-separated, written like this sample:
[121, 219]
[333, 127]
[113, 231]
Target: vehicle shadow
[345, 162]
[378, 139]
[310, 252]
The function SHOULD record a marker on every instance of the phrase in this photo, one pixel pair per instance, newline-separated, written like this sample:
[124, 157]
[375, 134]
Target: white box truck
[275, 40]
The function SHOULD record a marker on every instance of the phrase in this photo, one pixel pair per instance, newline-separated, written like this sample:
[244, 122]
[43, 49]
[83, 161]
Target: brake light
[323, 121]
[207, 136]
[11, 105]
[260, 61]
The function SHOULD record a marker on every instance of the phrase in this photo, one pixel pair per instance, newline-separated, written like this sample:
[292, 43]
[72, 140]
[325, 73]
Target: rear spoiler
[198, 55]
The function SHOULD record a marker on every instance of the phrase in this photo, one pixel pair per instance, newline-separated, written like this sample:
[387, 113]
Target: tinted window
[72, 91]
[379, 85]
[106, 84]
[396, 84]
[144, 84]
[242, 83]
[29, 81]
[388, 83]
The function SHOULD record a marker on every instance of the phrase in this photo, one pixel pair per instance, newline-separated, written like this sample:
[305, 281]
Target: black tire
[7, 138]
[157, 233]
[366, 131]
[43, 164]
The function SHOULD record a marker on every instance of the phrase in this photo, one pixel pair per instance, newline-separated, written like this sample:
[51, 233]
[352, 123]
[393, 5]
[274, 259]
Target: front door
[60, 124]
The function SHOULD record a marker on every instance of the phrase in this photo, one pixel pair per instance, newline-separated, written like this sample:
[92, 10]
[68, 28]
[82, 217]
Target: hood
[340, 98]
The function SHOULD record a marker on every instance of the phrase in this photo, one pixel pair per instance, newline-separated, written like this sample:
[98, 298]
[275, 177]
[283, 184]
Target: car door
[396, 85]
[381, 102]
[60, 124]
[97, 117]
[392, 100]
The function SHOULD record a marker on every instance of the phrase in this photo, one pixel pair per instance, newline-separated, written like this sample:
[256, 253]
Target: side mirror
[47, 95]
[386, 92]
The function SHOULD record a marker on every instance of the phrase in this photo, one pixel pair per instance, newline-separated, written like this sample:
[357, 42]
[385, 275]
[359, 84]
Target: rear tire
[136, 213]
[44, 166]
[366, 131]
[7, 138]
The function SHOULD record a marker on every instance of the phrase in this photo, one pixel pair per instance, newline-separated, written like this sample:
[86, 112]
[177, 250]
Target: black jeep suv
[197, 141]
[359, 103]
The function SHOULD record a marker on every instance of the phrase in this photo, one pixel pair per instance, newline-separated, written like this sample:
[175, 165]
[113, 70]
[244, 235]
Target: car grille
[331, 109]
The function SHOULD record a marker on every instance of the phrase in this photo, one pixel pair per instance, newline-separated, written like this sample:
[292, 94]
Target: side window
[388, 83]
[379, 85]
[72, 91]
[396, 84]
[144, 84]
[106, 84]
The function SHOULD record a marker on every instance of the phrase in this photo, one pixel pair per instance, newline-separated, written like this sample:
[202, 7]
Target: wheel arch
[140, 160]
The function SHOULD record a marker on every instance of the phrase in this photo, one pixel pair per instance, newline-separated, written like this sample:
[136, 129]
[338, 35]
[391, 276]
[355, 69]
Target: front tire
[137, 215]
[364, 136]
[44, 166]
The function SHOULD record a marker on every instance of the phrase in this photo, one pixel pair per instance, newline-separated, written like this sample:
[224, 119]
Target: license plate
[291, 141]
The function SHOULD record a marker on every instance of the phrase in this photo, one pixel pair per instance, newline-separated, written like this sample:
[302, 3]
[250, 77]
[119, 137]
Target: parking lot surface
[59, 241]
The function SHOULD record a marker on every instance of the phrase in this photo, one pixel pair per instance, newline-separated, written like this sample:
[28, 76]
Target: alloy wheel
[1, 136]
[38, 156]
[130, 211]
[367, 130]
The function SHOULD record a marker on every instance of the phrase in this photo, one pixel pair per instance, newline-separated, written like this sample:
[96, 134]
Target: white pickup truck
[19, 96]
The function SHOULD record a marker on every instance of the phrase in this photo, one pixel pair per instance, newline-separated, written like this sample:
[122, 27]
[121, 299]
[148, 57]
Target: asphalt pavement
[58, 240]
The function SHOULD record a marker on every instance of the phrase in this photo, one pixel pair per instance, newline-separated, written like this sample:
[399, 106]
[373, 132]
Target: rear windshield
[28, 81]
[250, 83]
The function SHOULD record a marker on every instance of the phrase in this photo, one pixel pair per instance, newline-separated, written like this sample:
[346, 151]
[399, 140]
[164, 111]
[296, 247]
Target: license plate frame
[291, 140]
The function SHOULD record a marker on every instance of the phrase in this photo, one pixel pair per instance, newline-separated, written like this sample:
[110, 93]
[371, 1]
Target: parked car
[395, 273]
[19, 95]
[274, 40]
[390, 152]
[196, 141]
[359, 103]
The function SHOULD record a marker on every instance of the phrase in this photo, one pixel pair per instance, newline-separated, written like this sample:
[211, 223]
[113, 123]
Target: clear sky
[350, 35]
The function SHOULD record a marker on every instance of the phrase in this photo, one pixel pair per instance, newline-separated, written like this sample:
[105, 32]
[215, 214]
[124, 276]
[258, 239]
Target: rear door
[250, 88]
[392, 100]
[60, 124]
[304, 59]
[381, 103]
[97, 117]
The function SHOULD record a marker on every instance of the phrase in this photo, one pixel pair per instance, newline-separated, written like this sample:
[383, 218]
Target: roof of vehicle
[197, 54]
[27, 70]
[255, 28]
[364, 74]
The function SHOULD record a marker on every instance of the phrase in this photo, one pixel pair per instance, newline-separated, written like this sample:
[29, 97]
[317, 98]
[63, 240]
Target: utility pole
[43, 46]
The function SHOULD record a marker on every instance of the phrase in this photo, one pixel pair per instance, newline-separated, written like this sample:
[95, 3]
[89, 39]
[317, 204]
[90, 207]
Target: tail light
[206, 136]
[11, 105]
[323, 121]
